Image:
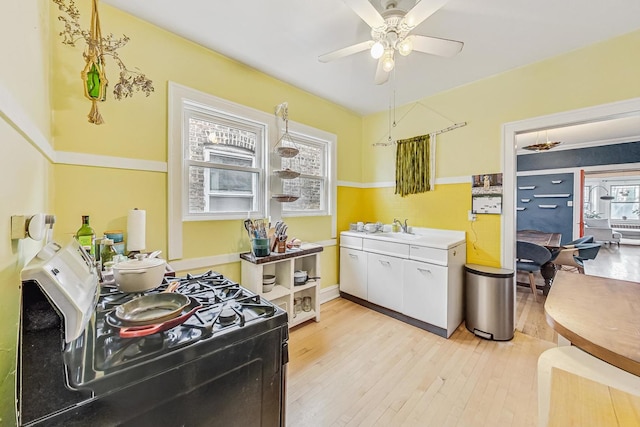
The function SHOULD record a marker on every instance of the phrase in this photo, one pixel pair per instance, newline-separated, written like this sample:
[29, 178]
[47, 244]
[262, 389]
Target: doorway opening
[510, 132]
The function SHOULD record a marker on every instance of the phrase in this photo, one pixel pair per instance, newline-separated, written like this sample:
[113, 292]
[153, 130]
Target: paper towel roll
[136, 226]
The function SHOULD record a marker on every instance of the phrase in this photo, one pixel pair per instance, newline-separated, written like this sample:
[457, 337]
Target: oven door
[241, 384]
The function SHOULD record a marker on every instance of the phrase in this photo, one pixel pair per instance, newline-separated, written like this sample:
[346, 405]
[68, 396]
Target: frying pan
[152, 308]
[128, 330]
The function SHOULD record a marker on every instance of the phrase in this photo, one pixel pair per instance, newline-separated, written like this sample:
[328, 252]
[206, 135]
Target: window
[313, 185]
[218, 164]
[586, 191]
[626, 201]
[223, 156]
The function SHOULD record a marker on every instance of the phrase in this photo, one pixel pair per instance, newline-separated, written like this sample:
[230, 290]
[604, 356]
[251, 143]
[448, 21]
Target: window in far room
[626, 201]
[586, 191]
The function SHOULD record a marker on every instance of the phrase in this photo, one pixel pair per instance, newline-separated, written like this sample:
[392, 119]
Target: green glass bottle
[108, 251]
[86, 236]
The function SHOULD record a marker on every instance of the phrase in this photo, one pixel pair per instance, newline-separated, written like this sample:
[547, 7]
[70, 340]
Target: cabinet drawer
[351, 242]
[426, 254]
[399, 250]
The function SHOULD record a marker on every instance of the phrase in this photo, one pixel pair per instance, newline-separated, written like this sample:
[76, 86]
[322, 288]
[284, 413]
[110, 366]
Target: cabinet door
[425, 292]
[384, 281]
[353, 272]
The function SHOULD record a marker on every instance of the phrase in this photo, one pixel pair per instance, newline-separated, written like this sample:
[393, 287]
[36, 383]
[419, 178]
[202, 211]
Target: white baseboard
[329, 293]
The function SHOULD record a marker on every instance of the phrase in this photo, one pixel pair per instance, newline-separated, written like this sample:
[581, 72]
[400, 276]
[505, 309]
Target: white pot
[139, 275]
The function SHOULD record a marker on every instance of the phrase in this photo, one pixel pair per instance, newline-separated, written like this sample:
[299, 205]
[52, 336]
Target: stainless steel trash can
[490, 302]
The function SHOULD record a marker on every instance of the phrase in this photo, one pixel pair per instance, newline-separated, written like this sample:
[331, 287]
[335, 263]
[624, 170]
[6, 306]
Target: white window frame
[311, 135]
[325, 201]
[615, 202]
[207, 181]
[218, 111]
[177, 203]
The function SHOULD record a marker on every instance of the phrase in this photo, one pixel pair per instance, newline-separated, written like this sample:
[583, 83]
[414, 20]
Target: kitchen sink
[401, 236]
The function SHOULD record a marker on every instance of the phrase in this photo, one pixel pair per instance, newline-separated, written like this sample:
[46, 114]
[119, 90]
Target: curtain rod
[438, 132]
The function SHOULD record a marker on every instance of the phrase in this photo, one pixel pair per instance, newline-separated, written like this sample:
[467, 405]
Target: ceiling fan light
[387, 61]
[377, 50]
[405, 47]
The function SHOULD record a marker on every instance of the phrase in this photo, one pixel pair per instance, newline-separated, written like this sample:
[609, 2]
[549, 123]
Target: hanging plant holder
[95, 88]
[95, 81]
[93, 75]
[285, 147]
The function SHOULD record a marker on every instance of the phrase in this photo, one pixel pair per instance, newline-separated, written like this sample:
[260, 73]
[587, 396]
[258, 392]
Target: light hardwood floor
[360, 368]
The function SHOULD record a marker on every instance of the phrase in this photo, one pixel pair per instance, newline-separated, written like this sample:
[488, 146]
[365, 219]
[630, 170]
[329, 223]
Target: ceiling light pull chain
[389, 139]
[394, 108]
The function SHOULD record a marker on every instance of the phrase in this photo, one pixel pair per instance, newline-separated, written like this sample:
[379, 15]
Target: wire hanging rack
[285, 147]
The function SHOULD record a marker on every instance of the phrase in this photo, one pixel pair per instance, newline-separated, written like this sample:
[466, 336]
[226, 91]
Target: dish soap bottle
[108, 251]
[86, 236]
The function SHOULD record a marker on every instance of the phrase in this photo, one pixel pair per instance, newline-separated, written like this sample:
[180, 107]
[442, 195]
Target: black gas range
[225, 365]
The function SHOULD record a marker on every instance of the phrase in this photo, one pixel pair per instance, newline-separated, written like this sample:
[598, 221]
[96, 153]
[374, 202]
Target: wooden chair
[573, 257]
[530, 258]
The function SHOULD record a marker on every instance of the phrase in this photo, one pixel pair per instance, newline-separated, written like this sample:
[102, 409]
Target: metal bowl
[287, 152]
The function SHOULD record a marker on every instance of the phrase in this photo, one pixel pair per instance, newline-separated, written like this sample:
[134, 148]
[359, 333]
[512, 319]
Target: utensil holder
[260, 247]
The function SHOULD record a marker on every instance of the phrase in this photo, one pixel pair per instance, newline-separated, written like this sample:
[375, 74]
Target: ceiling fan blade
[345, 51]
[366, 12]
[422, 10]
[381, 75]
[435, 46]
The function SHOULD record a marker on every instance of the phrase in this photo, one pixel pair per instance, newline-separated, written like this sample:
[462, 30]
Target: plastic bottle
[86, 236]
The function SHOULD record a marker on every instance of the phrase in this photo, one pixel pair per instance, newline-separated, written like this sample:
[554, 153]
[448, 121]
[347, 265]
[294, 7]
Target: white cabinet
[419, 277]
[284, 294]
[425, 292]
[353, 272]
[384, 281]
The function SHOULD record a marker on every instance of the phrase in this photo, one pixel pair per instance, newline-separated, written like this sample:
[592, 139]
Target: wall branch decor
[97, 47]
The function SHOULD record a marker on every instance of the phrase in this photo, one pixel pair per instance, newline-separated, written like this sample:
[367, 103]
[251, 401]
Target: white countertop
[426, 237]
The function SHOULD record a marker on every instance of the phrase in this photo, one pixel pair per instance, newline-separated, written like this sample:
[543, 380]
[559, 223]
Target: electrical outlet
[472, 216]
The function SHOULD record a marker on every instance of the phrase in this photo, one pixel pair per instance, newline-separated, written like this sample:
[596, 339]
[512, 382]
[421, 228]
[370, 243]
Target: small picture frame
[486, 193]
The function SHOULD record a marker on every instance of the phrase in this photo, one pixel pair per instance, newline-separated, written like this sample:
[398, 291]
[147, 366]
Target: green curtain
[412, 165]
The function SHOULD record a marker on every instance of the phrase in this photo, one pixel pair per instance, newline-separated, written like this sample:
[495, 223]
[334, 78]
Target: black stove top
[228, 312]
[224, 365]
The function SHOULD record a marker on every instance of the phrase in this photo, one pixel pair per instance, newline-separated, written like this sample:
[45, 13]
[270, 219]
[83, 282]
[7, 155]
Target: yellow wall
[137, 128]
[601, 73]
[25, 184]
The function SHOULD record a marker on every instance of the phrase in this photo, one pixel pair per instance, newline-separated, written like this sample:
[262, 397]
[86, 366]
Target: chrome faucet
[404, 227]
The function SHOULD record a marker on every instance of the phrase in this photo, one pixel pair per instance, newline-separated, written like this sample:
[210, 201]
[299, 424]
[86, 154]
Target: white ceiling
[283, 38]
[612, 131]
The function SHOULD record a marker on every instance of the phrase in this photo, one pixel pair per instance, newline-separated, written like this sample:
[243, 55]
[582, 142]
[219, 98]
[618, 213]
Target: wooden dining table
[550, 241]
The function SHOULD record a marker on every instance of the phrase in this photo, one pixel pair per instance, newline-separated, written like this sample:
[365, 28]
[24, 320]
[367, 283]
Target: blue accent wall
[558, 220]
[604, 155]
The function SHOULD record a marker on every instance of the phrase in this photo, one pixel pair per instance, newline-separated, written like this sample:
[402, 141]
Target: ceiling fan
[390, 32]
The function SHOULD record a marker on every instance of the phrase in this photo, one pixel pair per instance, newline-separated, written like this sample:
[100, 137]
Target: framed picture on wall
[486, 193]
